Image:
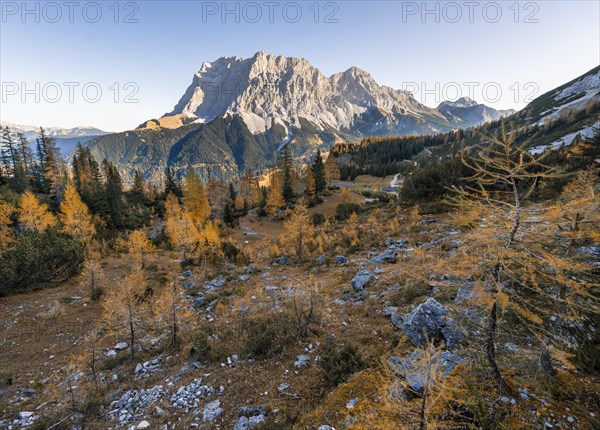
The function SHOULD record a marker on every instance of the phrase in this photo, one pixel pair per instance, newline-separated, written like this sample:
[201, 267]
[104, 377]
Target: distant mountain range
[66, 138]
[466, 112]
[552, 121]
[267, 90]
[238, 113]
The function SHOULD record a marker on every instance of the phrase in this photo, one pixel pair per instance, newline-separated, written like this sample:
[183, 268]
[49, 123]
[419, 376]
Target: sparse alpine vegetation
[458, 292]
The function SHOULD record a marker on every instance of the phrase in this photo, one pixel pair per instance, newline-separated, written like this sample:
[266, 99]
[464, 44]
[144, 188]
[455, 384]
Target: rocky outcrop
[212, 411]
[428, 322]
[390, 255]
[250, 417]
[416, 367]
[361, 279]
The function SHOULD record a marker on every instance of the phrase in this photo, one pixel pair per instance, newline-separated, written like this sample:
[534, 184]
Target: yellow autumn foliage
[5, 232]
[75, 216]
[33, 215]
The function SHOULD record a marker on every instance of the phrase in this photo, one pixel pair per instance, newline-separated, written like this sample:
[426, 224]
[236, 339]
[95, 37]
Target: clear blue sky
[389, 39]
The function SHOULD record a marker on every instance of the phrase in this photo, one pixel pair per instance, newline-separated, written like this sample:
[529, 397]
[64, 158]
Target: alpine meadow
[357, 215]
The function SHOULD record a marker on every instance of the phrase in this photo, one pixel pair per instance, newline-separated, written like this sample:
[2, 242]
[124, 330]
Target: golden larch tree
[210, 242]
[33, 215]
[194, 198]
[173, 312]
[299, 232]
[346, 195]
[210, 235]
[332, 171]
[275, 199]
[240, 202]
[505, 174]
[75, 216]
[179, 227]
[139, 245]
[92, 277]
[6, 236]
[125, 310]
[352, 232]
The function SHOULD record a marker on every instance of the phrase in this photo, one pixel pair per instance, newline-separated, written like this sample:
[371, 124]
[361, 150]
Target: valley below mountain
[66, 138]
[306, 252]
[238, 113]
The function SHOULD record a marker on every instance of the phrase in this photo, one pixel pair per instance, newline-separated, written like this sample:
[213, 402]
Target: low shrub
[35, 258]
[6, 379]
[232, 253]
[261, 212]
[411, 291]
[267, 335]
[340, 364]
[93, 406]
[97, 293]
[262, 337]
[284, 420]
[207, 346]
[344, 210]
[318, 219]
[201, 344]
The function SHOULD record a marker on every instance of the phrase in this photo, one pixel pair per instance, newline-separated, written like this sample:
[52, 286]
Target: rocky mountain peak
[267, 89]
[462, 102]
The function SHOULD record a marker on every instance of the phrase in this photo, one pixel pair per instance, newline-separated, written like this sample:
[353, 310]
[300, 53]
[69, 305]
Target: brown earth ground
[42, 334]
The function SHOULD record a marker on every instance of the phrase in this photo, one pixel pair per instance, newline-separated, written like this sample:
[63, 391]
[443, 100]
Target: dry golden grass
[174, 121]
[42, 315]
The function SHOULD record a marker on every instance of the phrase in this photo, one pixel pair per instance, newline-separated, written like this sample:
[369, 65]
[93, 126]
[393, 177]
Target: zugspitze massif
[237, 113]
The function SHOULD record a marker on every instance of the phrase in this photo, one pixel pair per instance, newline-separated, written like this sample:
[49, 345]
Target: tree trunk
[517, 217]
[423, 425]
[490, 348]
[175, 327]
[131, 331]
[545, 361]
[73, 402]
[426, 385]
[490, 344]
[93, 364]
[93, 285]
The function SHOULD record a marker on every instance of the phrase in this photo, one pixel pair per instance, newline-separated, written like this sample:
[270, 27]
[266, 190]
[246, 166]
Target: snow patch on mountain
[585, 85]
[588, 87]
[566, 140]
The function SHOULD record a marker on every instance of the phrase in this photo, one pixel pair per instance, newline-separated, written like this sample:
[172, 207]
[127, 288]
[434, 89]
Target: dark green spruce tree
[113, 191]
[318, 169]
[287, 171]
[25, 151]
[12, 160]
[172, 184]
[88, 180]
[137, 194]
